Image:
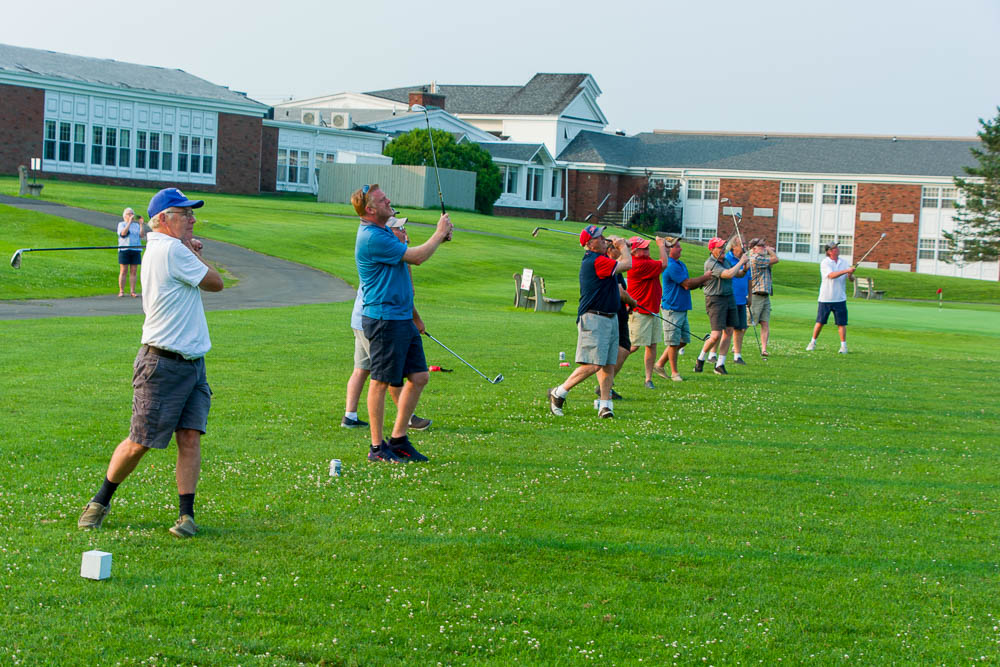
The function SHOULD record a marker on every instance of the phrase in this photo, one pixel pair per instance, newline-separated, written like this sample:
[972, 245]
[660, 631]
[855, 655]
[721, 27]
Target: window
[823, 240]
[167, 152]
[703, 188]
[945, 248]
[97, 145]
[182, 152]
[154, 150]
[797, 193]
[80, 143]
[786, 241]
[508, 177]
[293, 165]
[846, 243]
[111, 146]
[794, 242]
[49, 147]
[195, 160]
[556, 183]
[925, 248]
[282, 165]
[696, 234]
[64, 144]
[802, 243]
[124, 136]
[140, 150]
[938, 197]
[535, 178]
[323, 158]
[838, 193]
[206, 158]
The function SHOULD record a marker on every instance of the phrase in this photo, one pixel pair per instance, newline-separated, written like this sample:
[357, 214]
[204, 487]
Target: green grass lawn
[818, 508]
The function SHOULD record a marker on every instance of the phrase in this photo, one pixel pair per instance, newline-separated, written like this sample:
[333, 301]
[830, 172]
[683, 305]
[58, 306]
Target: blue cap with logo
[168, 198]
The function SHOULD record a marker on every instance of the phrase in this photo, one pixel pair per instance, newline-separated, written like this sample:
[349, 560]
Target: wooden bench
[866, 287]
[542, 302]
[523, 298]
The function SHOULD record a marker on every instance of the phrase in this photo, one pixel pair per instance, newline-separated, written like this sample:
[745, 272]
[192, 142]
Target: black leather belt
[602, 313]
[167, 354]
[761, 294]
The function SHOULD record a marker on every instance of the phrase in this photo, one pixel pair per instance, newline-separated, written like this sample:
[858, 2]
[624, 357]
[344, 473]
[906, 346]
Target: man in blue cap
[171, 389]
[596, 319]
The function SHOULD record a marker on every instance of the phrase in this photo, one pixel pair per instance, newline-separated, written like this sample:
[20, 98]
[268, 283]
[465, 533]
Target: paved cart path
[264, 281]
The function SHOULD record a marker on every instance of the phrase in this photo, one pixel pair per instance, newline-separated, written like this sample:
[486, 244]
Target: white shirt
[832, 291]
[175, 316]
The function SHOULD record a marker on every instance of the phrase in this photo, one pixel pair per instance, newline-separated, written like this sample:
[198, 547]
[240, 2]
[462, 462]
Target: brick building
[799, 192]
[113, 122]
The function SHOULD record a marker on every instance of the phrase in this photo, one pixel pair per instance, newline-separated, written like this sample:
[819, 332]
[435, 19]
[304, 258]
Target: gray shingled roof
[544, 95]
[81, 69]
[505, 150]
[805, 154]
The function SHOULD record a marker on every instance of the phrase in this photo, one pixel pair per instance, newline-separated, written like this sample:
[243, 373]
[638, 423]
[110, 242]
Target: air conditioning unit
[310, 116]
[340, 120]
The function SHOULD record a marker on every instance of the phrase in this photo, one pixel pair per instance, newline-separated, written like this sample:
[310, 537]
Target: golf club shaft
[89, 247]
[869, 250]
[657, 315]
[456, 355]
[437, 173]
[557, 231]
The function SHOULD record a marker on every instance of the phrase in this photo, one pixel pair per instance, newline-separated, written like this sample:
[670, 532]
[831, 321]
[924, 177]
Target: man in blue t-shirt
[674, 307]
[741, 287]
[387, 319]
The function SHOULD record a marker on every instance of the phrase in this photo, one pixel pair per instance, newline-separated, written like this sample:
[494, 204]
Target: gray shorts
[760, 308]
[597, 340]
[362, 357]
[676, 330]
[168, 395]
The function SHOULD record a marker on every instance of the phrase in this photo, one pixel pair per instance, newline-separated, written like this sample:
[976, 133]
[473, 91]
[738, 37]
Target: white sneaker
[843, 350]
[811, 346]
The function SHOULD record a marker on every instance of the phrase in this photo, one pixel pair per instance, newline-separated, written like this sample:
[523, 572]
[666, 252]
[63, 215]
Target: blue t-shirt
[675, 297]
[384, 279]
[741, 286]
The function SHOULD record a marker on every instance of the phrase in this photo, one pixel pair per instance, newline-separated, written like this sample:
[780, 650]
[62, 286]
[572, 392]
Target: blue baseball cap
[168, 198]
[590, 232]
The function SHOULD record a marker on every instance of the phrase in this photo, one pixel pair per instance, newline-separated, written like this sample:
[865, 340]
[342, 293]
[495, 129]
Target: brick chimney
[427, 99]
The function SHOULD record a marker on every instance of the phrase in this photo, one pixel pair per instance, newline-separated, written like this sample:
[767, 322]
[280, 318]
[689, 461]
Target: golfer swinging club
[394, 345]
[171, 389]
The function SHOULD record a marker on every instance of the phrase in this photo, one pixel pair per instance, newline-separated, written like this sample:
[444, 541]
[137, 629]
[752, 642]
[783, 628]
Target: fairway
[819, 508]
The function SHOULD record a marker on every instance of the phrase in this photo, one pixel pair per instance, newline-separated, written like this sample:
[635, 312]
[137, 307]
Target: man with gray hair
[172, 395]
[762, 258]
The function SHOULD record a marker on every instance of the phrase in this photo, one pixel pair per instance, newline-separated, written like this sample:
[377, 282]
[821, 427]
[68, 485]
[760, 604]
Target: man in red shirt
[644, 286]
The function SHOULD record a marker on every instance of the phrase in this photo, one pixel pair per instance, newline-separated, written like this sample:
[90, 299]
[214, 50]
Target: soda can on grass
[562, 356]
[335, 468]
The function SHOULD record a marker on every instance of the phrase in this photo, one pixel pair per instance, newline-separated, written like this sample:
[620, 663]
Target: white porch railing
[631, 208]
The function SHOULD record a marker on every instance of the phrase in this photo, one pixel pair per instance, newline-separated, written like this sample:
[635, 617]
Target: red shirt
[644, 283]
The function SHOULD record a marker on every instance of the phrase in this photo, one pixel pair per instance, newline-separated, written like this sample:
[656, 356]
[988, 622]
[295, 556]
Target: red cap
[637, 242]
[590, 232]
[716, 243]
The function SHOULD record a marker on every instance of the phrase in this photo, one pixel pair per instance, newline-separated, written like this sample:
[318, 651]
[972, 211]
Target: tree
[415, 148]
[977, 219]
[658, 210]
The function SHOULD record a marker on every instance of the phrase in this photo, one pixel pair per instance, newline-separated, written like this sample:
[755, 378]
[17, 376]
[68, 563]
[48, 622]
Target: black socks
[104, 495]
[187, 504]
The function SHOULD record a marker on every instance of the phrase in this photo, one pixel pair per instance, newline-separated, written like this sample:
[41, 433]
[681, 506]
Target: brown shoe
[556, 403]
[661, 371]
[184, 527]
[93, 515]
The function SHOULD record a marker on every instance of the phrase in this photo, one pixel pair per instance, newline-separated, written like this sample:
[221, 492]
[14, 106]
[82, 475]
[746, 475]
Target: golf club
[15, 260]
[497, 380]
[736, 223]
[535, 231]
[884, 234]
[694, 335]
[437, 172]
[759, 348]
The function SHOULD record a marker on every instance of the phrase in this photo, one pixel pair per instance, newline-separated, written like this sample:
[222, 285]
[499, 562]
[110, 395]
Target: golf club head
[534, 232]
[497, 380]
[884, 234]
[418, 108]
[15, 260]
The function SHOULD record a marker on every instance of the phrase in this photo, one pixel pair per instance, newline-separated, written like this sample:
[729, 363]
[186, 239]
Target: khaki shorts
[597, 340]
[642, 329]
[760, 308]
[168, 395]
[676, 331]
[362, 357]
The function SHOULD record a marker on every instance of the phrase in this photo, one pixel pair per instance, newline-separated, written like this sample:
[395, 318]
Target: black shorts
[721, 312]
[741, 317]
[129, 257]
[395, 349]
[623, 339]
[839, 310]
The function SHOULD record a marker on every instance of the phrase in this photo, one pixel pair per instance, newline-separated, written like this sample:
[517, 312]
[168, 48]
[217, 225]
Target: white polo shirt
[175, 316]
[832, 291]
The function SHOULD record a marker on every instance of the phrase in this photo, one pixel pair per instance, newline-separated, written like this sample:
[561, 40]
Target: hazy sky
[873, 67]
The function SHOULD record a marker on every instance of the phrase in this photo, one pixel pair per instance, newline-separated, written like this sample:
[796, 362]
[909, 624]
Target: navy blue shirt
[598, 285]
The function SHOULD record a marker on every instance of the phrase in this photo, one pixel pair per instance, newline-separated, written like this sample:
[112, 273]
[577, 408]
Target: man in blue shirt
[387, 319]
[674, 305]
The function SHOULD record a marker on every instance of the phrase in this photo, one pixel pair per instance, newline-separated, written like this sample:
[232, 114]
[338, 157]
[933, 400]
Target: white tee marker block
[96, 565]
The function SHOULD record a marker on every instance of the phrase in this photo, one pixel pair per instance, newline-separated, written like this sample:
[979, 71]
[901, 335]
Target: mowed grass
[817, 508]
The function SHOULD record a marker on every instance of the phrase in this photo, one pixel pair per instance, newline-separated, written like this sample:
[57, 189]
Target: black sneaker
[406, 452]
[721, 370]
[347, 422]
[699, 365]
[739, 360]
[419, 423]
[382, 453]
[556, 403]
[615, 396]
